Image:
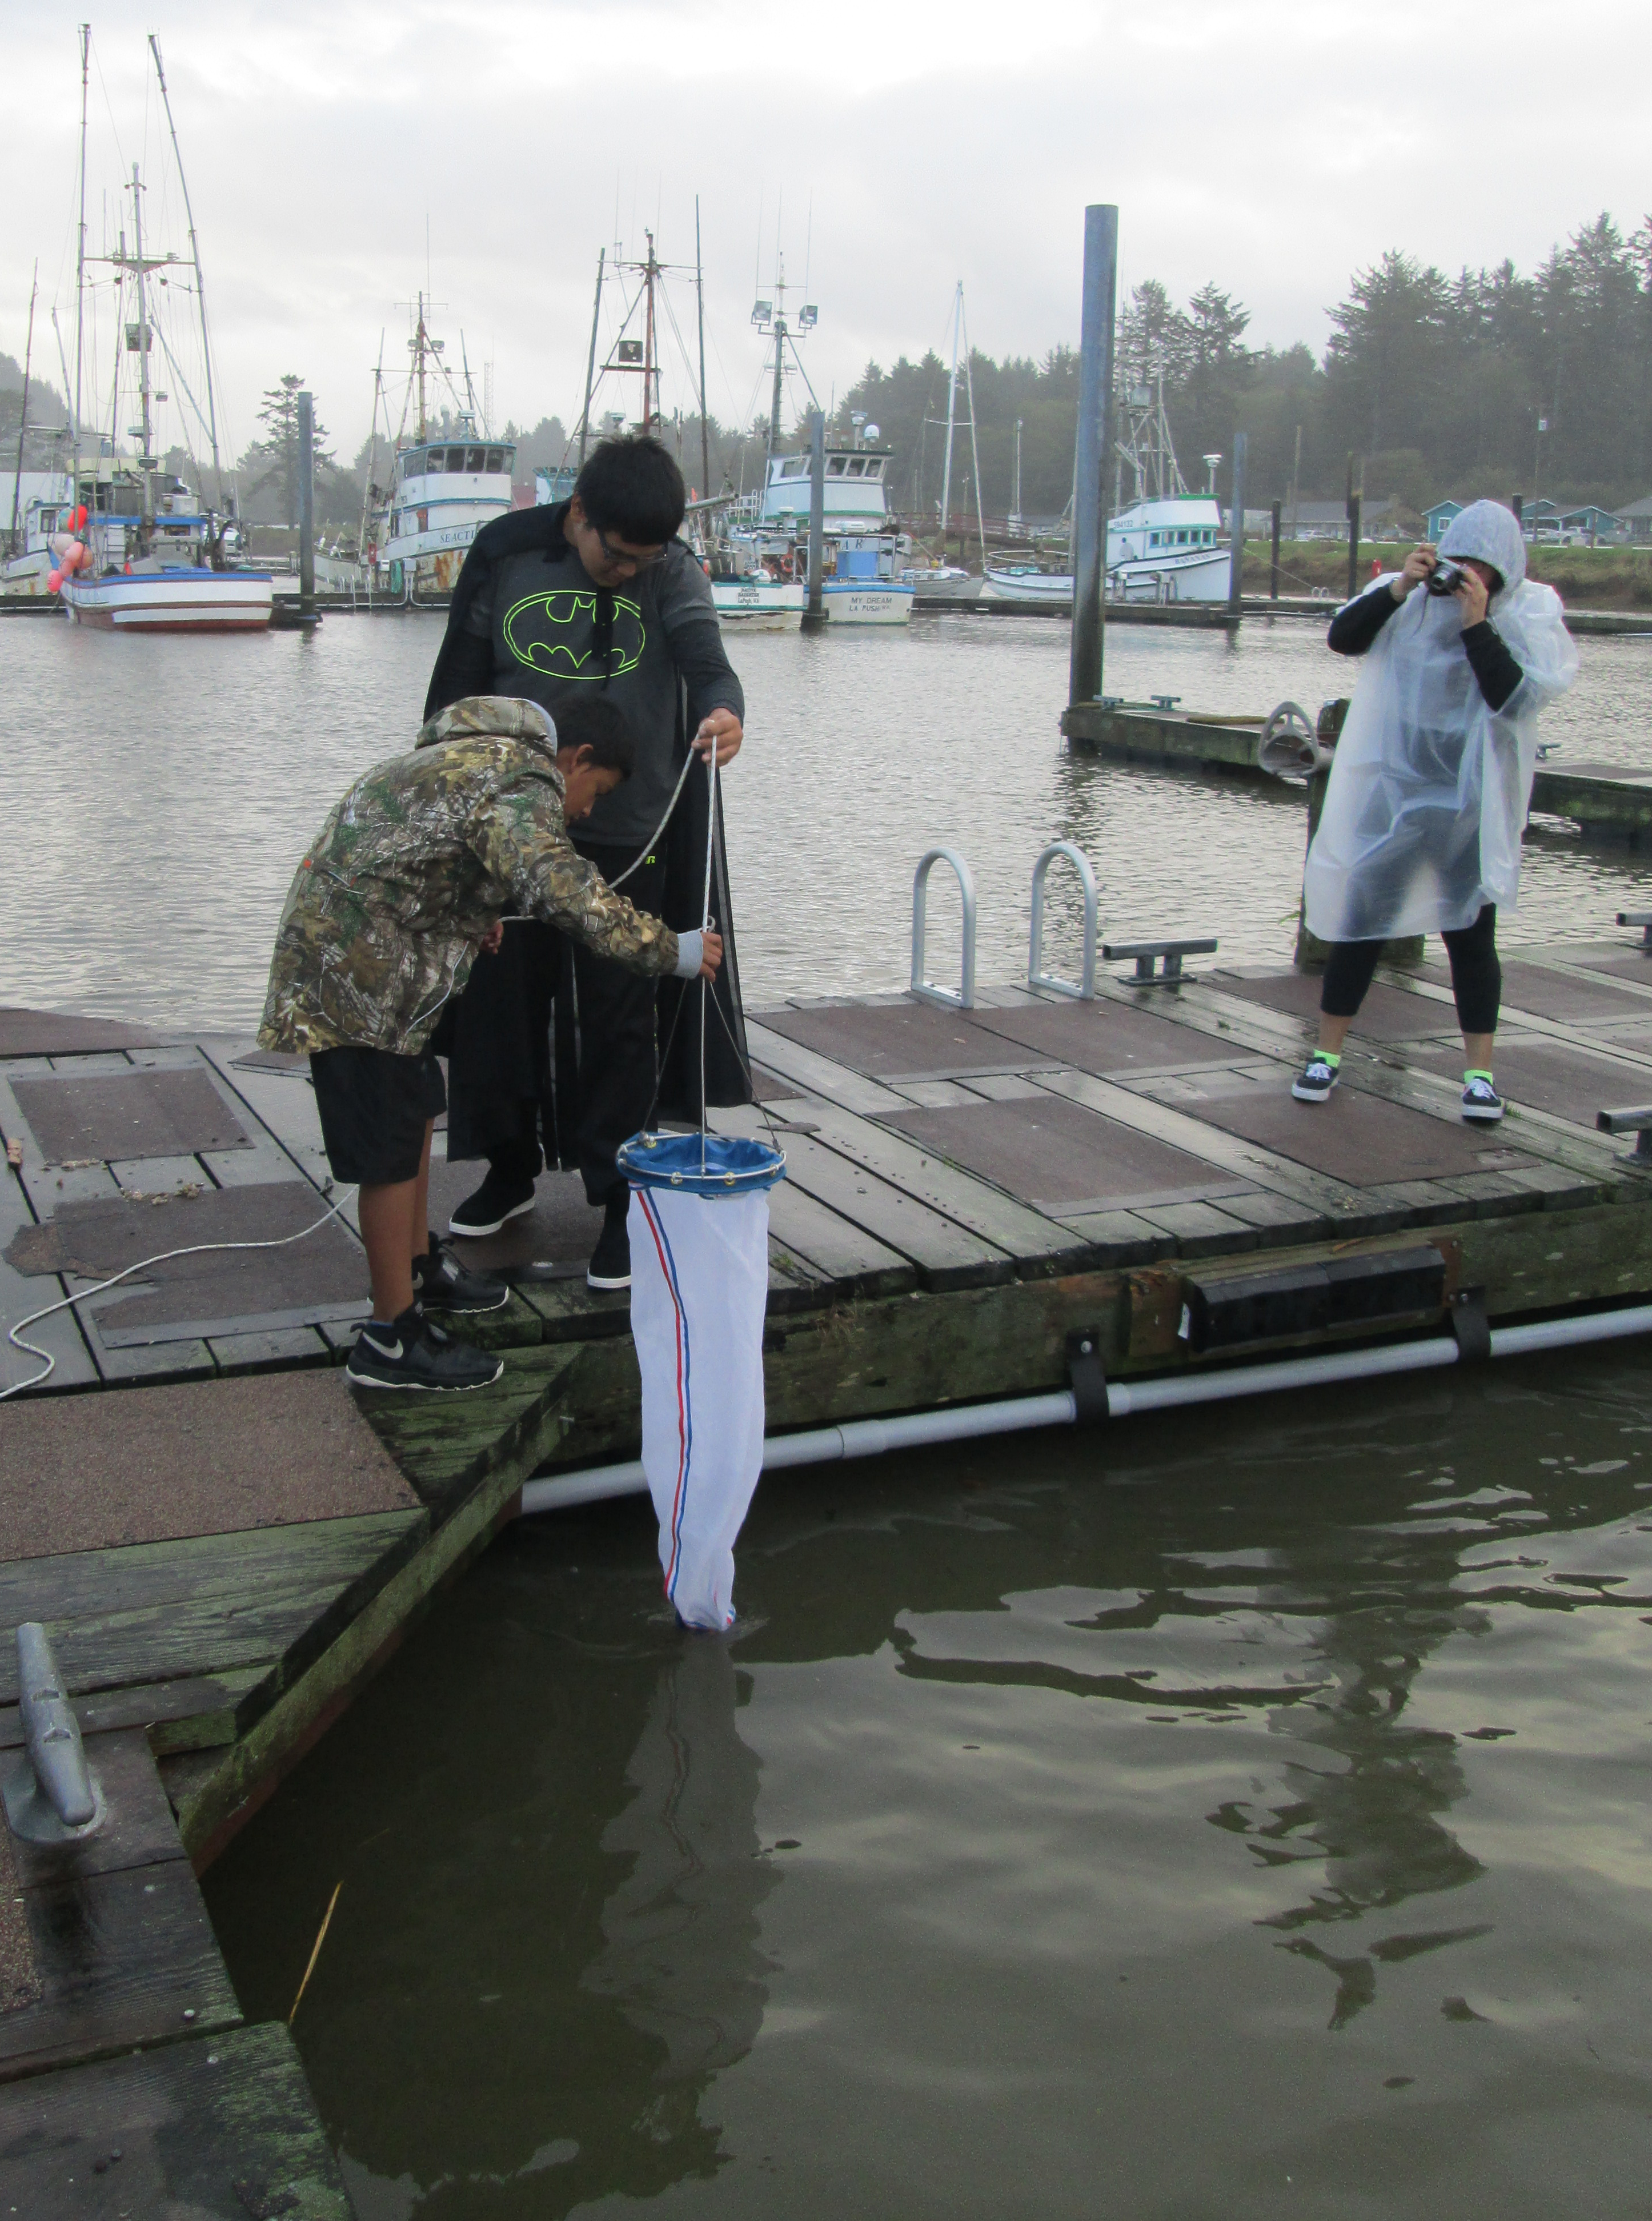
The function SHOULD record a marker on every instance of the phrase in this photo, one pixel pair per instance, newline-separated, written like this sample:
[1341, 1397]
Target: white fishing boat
[138, 551]
[862, 575]
[45, 497]
[449, 478]
[1168, 551]
[756, 600]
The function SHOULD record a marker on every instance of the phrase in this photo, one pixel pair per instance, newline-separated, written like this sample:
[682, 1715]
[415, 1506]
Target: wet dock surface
[226, 1547]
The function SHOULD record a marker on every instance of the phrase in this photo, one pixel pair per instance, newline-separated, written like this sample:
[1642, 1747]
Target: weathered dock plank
[218, 2128]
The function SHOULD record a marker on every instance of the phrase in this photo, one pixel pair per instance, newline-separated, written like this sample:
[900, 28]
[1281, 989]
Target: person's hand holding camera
[1414, 572]
[1472, 594]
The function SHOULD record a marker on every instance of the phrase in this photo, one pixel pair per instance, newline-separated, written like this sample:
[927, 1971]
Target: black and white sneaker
[1317, 1080]
[440, 1283]
[413, 1353]
[1480, 1100]
[495, 1204]
[610, 1260]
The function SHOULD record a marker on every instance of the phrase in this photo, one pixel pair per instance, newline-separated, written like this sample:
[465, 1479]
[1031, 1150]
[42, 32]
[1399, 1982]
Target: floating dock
[223, 1542]
[1606, 800]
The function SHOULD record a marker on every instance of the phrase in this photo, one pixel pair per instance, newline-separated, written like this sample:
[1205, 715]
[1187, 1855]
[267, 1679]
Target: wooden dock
[1610, 801]
[224, 1544]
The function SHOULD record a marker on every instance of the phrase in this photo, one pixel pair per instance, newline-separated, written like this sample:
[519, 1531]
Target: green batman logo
[554, 634]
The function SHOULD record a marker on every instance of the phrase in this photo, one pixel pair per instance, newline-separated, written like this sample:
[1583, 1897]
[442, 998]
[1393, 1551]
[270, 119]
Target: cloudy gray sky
[1272, 145]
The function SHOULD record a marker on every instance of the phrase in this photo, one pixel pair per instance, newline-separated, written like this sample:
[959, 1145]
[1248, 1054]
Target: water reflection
[679, 1957]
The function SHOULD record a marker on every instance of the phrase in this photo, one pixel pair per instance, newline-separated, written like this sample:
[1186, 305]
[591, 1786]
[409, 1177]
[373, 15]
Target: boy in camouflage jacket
[414, 871]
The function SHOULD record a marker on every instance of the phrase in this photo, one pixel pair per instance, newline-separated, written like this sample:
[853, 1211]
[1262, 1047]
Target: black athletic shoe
[440, 1283]
[412, 1353]
[610, 1260]
[1480, 1100]
[1317, 1080]
[494, 1205]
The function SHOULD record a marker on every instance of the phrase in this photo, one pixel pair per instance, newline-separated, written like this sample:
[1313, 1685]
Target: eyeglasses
[625, 555]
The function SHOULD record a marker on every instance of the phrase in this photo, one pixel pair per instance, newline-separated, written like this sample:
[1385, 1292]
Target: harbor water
[1236, 1813]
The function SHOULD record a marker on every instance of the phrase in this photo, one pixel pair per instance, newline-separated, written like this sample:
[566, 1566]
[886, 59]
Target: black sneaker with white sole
[1480, 1100]
[495, 1204]
[412, 1353]
[440, 1283]
[1317, 1080]
[610, 1260]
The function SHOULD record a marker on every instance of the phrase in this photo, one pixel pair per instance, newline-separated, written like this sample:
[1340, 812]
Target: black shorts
[375, 1106]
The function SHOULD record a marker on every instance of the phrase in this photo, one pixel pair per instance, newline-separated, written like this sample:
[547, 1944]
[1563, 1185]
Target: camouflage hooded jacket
[414, 866]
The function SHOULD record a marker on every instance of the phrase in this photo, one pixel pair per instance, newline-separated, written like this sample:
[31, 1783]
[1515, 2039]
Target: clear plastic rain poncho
[1429, 786]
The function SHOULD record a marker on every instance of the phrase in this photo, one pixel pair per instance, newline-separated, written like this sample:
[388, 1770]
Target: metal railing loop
[963, 999]
[1082, 990]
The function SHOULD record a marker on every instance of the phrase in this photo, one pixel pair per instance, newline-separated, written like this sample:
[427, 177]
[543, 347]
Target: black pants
[1476, 975]
[503, 1099]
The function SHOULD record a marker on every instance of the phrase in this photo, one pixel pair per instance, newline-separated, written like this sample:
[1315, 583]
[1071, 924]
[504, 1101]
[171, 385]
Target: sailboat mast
[699, 295]
[145, 460]
[200, 280]
[591, 360]
[974, 450]
[418, 346]
[952, 406]
[373, 443]
[650, 374]
[778, 401]
[22, 429]
[81, 264]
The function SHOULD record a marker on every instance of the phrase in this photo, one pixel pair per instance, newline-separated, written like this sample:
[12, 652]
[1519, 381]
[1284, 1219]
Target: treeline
[1434, 387]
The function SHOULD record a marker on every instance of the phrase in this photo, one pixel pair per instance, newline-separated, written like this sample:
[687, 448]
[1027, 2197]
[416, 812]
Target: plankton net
[698, 1226]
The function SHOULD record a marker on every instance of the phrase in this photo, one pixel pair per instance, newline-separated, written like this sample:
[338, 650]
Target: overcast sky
[1272, 145]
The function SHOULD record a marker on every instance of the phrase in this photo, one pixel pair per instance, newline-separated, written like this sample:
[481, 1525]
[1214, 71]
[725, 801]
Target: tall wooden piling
[1095, 445]
[1236, 527]
[1273, 564]
[1354, 506]
[306, 508]
[815, 613]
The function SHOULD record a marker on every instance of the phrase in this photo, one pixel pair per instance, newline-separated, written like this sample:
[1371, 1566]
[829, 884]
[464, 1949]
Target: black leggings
[1476, 975]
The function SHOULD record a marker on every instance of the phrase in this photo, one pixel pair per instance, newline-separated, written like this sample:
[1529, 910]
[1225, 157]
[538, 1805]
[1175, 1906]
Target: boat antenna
[80, 261]
[699, 295]
[200, 281]
[23, 428]
[591, 360]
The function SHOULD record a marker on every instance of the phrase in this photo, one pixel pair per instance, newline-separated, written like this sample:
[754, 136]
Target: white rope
[705, 924]
[196, 1249]
[647, 846]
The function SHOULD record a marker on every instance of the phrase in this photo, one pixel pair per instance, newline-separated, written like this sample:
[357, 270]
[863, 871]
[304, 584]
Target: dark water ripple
[1208, 1819]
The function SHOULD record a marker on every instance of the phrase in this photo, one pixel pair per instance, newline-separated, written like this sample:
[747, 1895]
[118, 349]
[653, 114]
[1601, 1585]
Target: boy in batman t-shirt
[596, 593]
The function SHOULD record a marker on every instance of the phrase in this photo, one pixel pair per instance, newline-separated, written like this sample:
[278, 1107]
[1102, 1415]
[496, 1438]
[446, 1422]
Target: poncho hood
[491, 717]
[1488, 532]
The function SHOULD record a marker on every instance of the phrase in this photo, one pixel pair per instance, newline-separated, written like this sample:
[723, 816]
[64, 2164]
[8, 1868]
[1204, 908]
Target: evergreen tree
[277, 451]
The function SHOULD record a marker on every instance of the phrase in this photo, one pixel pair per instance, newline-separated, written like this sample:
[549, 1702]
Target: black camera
[1445, 577]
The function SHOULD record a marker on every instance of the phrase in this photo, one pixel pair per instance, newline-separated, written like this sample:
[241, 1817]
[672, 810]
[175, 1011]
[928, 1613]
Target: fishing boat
[862, 578]
[139, 552]
[448, 480]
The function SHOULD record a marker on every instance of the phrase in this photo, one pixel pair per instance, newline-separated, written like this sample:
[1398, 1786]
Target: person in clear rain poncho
[1428, 785]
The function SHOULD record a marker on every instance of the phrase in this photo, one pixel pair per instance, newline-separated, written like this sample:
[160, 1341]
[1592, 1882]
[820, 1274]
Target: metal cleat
[1643, 919]
[1145, 953]
[1636, 1122]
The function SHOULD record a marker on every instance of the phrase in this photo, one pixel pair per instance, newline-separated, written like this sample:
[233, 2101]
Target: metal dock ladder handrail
[1084, 989]
[926, 990]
